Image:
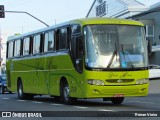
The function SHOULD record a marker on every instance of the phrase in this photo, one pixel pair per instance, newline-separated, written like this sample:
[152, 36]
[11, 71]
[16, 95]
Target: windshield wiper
[112, 58]
[126, 55]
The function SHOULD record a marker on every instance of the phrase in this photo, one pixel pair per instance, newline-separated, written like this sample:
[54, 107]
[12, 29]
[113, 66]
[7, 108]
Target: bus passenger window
[46, 37]
[36, 44]
[76, 29]
[26, 46]
[49, 41]
[17, 46]
[63, 38]
[10, 49]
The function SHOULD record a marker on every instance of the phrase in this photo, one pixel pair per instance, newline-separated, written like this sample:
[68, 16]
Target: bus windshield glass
[115, 47]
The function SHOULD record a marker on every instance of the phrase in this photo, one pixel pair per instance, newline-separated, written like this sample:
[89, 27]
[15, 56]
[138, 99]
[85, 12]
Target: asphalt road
[95, 108]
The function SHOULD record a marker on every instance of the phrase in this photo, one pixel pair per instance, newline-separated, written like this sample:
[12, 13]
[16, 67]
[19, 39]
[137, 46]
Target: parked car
[3, 86]
[154, 71]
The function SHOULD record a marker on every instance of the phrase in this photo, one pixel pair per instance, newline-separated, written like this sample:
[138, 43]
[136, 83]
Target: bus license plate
[118, 95]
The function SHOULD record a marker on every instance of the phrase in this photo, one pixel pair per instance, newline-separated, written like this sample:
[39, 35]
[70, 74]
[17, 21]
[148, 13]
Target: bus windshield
[115, 47]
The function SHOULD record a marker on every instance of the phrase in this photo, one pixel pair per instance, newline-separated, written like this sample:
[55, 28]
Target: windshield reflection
[110, 46]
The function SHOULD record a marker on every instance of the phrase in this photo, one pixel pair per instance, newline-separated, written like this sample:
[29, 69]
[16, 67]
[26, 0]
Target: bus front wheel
[65, 94]
[117, 100]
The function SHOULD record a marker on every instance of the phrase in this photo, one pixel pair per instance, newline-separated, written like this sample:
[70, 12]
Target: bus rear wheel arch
[65, 92]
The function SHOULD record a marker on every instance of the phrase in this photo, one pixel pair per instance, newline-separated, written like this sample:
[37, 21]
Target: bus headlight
[96, 82]
[142, 81]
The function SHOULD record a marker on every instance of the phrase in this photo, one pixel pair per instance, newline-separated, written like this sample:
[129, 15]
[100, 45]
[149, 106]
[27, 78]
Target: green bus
[85, 58]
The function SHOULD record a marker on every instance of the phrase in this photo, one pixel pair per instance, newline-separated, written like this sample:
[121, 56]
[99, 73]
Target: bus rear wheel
[65, 95]
[117, 100]
[21, 94]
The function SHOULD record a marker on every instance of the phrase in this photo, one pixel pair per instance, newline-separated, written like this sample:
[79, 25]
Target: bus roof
[104, 20]
[82, 22]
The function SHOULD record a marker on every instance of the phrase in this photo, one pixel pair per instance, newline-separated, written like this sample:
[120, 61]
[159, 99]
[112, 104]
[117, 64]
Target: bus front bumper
[116, 91]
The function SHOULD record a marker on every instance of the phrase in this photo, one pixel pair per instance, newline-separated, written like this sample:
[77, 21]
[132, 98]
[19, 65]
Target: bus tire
[65, 94]
[21, 94]
[117, 100]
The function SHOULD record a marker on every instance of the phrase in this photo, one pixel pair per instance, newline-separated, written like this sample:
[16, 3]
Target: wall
[112, 7]
[155, 17]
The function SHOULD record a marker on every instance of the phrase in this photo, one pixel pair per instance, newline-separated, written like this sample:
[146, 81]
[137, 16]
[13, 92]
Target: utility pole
[29, 15]
[2, 14]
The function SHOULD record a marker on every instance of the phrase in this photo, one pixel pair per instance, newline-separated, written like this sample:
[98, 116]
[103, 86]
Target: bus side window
[77, 52]
[26, 46]
[36, 44]
[10, 50]
[76, 29]
[79, 48]
[63, 39]
[46, 37]
[49, 41]
[17, 46]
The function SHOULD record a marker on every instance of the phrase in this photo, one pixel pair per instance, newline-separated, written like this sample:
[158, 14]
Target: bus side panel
[8, 72]
[41, 76]
[62, 67]
[24, 74]
[15, 67]
[35, 78]
[76, 84]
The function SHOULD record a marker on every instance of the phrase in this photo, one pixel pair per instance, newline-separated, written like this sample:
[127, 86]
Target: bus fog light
[143, 89]
[142, 81]
[96, 91]
[95, 82]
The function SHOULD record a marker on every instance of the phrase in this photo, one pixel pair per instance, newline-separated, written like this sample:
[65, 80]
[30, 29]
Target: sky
[49, 11]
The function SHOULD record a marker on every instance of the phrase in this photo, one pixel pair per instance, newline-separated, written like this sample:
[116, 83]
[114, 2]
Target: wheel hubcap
[66, 93]
[20, 90]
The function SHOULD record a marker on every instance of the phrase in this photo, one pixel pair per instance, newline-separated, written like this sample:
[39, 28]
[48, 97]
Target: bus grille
[120, 80]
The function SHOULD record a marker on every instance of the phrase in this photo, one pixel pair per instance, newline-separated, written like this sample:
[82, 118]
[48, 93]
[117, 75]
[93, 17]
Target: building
[2, 51]
[151, 20]
[116, 8]
[132, 9]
